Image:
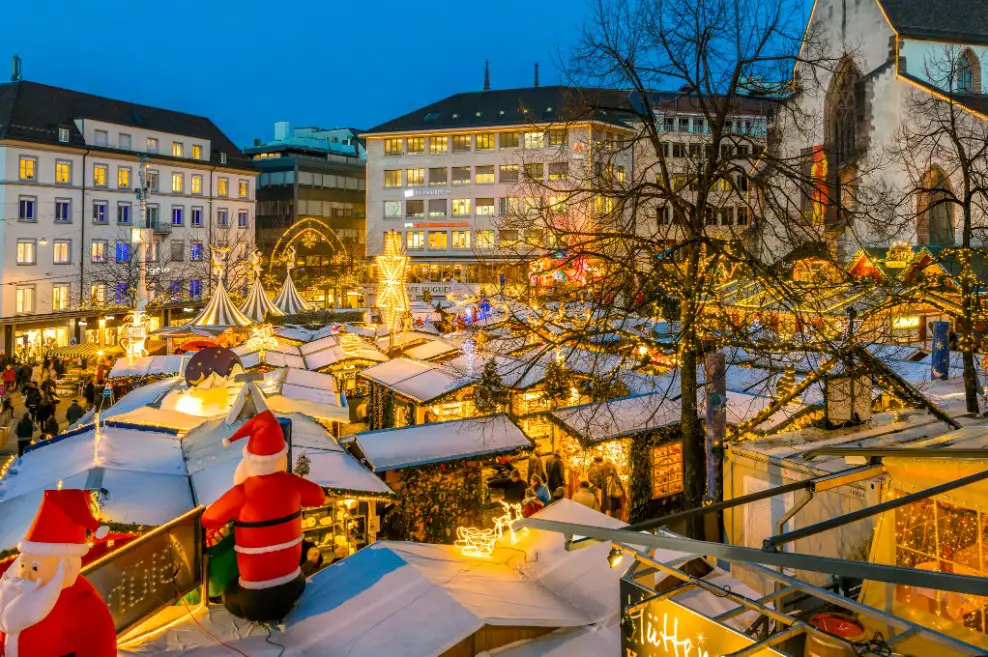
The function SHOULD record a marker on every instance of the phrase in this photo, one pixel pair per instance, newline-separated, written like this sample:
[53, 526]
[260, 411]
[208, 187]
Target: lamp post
[141, 235]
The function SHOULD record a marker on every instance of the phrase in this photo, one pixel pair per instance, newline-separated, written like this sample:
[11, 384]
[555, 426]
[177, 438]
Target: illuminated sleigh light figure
[475, 542]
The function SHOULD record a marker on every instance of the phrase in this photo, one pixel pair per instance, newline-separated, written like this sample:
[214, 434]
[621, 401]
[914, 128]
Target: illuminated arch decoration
[304, 229]
[257, 305]
[289, 301]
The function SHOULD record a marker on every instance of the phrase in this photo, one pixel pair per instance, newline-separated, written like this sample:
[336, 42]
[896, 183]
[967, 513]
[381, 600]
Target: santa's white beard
[23, 603]
[247, 468]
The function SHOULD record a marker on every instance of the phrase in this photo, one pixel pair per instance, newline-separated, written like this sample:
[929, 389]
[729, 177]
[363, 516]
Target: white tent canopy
[257, 306]
[289, 301]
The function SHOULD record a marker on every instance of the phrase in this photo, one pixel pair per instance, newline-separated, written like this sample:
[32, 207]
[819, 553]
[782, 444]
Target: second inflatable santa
[265, 505]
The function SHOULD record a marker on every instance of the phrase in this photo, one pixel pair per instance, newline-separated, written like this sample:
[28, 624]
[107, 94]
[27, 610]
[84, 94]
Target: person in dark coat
[24, 431]
[555, 471]
[45, 410]
[89, 392]
[74, 412]
[51, 427]
[514, 487]
[48, 385]
[32, 398]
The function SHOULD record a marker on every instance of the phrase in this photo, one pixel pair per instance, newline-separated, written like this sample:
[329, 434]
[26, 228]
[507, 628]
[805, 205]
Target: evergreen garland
[490, 395]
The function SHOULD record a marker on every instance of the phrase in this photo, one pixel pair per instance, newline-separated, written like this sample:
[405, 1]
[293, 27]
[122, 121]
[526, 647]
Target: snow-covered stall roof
[333, 349]
[404, 447]
[403, 338]
[279, 355]
[417, 380]
[615, 418]
[298, 333]
[147, 366]
[515, 373]
[434, 349]
[291, 390]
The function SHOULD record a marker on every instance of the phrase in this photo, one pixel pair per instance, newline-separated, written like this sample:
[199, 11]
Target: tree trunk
[694, 456]
[967, 349]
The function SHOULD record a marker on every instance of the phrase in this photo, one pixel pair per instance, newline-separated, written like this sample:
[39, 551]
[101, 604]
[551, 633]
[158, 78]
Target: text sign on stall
[665, 628]
[150, 573]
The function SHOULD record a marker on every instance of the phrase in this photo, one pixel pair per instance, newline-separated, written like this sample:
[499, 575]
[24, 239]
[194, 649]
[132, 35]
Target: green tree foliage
[490, 395]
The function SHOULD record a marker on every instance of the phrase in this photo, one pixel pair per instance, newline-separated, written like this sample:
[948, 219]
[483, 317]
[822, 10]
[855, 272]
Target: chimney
[281, 130]
[536, 74]
[487, 75]
[257, 142]
[15, 73]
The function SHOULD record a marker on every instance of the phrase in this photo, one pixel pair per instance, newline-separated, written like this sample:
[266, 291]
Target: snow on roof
[291, 390]
[140, 397]
[433, 349]
[595, 422]
[147, 366]
[280, 355]
[169, 419]
[403, 338]
[390, 449]
[515, 373]
[417, 380]
[600, 639]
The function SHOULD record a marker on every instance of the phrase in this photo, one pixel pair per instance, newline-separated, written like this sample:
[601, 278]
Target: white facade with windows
[69, 206]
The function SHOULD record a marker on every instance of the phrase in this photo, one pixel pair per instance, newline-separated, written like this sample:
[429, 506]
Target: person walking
[585, 496]
[89, 392]
[32, 398]
[9, 378]
[51, 427]
[59, 368]
[74, 412]
[7, 413]
[555, 471]
[513, 487]
[48, 385]
[36, 373]
[600, 475]
[46, 409]
[24, 431]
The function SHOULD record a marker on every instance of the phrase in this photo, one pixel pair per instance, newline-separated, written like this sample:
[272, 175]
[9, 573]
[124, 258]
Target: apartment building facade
[70, 164]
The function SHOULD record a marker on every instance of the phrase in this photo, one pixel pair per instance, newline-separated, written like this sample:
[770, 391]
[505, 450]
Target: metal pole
[899, 452]
[774, 541]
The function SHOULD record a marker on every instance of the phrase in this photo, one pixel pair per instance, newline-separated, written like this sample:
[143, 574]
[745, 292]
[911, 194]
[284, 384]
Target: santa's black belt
[266, 523]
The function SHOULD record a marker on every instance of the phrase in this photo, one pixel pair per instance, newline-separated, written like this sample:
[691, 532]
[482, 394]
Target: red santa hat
[266, 442]
[60, 527]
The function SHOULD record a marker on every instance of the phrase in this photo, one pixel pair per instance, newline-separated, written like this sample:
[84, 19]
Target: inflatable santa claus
[46, 608]
[265, 506]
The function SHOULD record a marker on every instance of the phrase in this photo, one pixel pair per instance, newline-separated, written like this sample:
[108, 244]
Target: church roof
[956, 21]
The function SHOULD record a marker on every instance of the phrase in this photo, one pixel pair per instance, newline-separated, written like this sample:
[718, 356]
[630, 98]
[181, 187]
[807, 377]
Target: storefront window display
[338, 529]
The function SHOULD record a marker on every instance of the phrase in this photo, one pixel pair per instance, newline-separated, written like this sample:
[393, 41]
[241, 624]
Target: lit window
[438, 144]
[534, 139]
[123, 214]
[196, 184]
[195, 219]
[99, 212]
[603, 205]
[123, 177]
[27, 208]
[178, 182]
[63, 211]
[438, 240]
[461, 143]
[152, 145]
[558, 170]
[63, 135]
[223, 217]
[195, 289]
[461, 207]
[415, 240]
[415, 145]
[63, 172]
[667, 469]
[485, 239]
[510, 205]
[177, 217]
[152, 180]
[484, 175]
[509, 237]
[485, 207]
[60, 296]
[27, 251]
[509, 139]
[485, 141]
[392, 178]
[461, 239]
[415, 208]
[243, 220]
[558, 137]
[62, 252]
[508, 173]
[196, 152]
[461, 175]
[123, 252]
[124, 141]
[178, 150]
[619, 174]
[243, 189]
[392, 209]
[120, 294]
[25, 298]
[393, 147]
[97, 292]
[99, 175]
[195, 251]
[97, 251]
[222, 187]
[414, 177]
[101, 138]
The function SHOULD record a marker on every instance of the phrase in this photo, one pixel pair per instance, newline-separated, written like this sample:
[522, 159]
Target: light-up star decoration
[475, 542]
[262, 338]
[392, 297]
[135, 333]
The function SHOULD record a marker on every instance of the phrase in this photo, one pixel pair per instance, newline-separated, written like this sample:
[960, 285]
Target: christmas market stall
[405, 392]
[438, 470]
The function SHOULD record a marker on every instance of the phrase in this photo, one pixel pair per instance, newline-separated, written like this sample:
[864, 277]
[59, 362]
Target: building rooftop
[343, 142]
[30, 111]
[955, 21]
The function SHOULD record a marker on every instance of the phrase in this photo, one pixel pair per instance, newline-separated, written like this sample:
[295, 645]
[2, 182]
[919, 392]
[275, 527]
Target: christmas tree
[557, 384]
[302, 465]
[490, 395]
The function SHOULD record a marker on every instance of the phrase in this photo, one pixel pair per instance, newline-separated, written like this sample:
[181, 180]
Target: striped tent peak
[289, 301]
[257, 305]
[220, 311]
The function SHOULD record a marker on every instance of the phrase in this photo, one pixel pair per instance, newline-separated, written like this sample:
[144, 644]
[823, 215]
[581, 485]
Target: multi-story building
[70, 163]
[447, 175]
[310, 195]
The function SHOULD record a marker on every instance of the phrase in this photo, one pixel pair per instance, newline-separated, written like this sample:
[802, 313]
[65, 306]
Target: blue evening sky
[250, 63]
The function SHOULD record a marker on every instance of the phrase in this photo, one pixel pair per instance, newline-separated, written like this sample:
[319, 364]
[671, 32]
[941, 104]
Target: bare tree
[941, 148]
